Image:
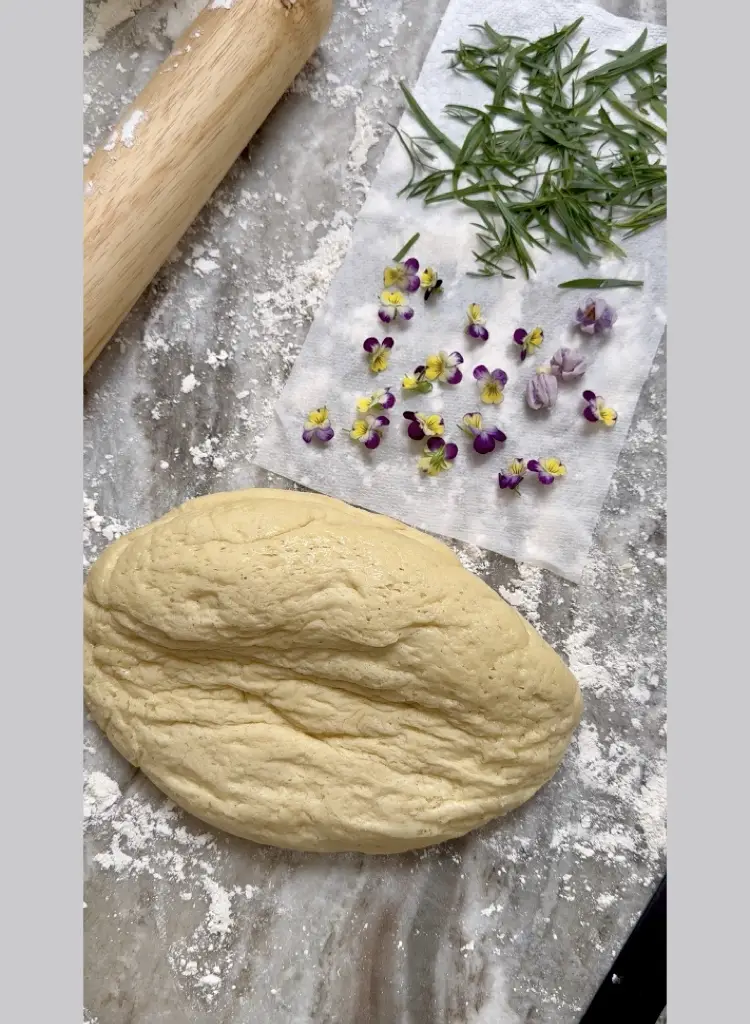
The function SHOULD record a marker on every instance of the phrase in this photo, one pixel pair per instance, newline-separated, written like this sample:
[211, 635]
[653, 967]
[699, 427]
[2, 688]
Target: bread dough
[302, 673]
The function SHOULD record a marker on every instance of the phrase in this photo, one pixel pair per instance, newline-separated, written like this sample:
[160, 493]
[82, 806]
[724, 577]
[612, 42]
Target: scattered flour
[149, 837]
[129, 127]
[97, 527]
[110, 14]
[100, 793]
[366, 134]
[298, 299]
[189, 383]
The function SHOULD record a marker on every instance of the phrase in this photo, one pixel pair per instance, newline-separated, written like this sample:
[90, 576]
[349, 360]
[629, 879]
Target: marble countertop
[514, 923]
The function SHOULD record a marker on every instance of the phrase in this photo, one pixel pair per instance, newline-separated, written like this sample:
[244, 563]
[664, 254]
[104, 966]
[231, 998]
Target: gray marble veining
[516, 922]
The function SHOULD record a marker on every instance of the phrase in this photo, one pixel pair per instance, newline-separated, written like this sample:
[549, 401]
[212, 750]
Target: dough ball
[305, 674]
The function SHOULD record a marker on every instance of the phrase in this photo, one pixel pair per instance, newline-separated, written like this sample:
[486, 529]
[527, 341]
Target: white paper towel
[548, 526]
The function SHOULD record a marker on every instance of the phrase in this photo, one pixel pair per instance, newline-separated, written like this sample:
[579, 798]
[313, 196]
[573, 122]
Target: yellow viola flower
[547, 470]
[378, 353]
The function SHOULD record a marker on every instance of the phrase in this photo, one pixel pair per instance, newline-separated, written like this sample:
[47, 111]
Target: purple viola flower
[369, 430]
[512, 479]
[529, 341]
[403, 275]
[541, 391]
[393, 306]
[378, 400]
[595, 316]
[318, 426]
[423, 425]
[485, 437]
[547, 470]
[475, 326]
[568, 364]
[378, 352]
[444, 366]
[438, 456]
[597, 411]
[491, 384]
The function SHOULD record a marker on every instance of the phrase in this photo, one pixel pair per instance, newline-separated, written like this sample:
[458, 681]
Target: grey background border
[709, 706]
[40, 753]
[41, 760]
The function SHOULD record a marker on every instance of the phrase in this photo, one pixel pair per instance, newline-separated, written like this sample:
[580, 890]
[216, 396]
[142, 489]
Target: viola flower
[383, 399]
[568, 364]
[475, 327]
[541, 391]
[444, 367]
[528, 340]
[423, 425]
[403, 275]
[417, 381]
[393, 305]
[491, 384]
[547, 470]
[369, 431]
[430, 282]
[438, 456]
[317, 425]
[485, 438]
[511, 480]
[597, 412]
[378, 352]
[595, 316]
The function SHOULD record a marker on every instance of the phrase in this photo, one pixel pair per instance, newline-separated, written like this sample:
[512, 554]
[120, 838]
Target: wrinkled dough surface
[306, 674]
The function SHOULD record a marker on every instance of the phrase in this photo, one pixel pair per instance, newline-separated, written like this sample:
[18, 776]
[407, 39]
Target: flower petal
[387, 342]
[415, 431]
[386, 315]
[519, 335]
[590, 415]
[497, 434]
[480, 372]
[407, 313]
[451, 451]
[500, 375]
[454, 377]
[373, 440]
[307, 436]
[411, 265]
[533, 465]
[324, 433]
[435, 443]
[484, 443]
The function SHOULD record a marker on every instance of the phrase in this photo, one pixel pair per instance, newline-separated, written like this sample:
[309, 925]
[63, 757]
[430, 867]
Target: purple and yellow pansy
[382, 399]
[394, 306]
[423, 425]
[475, 323]
[369, 430]
[317, 426]
[528, 341]
[430, 281]
[417, 381]
[512, 478]
[485, 437]
[547, 470]
[403, 275]
[378, 353]
[443, 366]
[595, 316]
[437, 456]
[597, 411]
[491, 384]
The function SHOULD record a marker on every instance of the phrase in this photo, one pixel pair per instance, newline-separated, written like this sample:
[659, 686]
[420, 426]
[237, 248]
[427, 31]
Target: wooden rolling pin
[174, 144]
